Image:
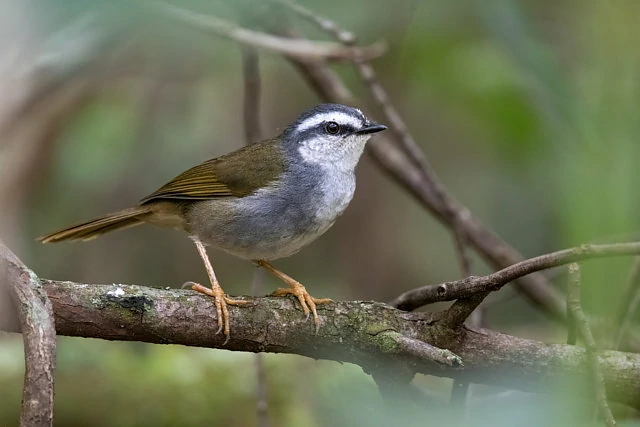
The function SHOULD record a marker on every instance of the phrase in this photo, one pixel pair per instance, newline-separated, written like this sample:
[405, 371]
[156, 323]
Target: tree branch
[365, 333]
[304, 49]
[39, 335]
[476, 285]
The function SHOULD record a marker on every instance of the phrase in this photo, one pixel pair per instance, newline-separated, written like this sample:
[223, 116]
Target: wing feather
[233, 175]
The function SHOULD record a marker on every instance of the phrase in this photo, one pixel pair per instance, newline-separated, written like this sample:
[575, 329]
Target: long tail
[99, 226]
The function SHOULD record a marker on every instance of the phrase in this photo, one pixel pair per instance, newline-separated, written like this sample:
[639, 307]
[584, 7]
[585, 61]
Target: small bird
[262, 202]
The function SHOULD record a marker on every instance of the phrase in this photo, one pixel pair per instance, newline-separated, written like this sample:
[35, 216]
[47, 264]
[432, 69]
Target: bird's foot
[221, 302]
[307, 302]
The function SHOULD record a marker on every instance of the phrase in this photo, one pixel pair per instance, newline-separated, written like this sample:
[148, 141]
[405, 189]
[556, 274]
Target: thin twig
[297, 48]
[399, 127]
[475, 285]
[39, 336]
[575, 307]
[325, 24]
[629, 304]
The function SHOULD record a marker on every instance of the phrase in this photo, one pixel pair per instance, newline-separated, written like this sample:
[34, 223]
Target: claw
[186, 285]
[221, 301]
[307, 302]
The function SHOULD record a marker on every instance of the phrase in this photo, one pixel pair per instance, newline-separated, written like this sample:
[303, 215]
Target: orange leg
[307, 302]
[221, 300]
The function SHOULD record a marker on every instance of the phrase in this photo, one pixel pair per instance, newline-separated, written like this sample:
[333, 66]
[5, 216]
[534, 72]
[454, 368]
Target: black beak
[371, 127]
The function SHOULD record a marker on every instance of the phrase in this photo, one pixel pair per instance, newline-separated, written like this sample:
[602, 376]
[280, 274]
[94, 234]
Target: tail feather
[99, 226]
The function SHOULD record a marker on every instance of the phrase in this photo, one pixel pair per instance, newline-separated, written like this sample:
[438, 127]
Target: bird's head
[331, 135]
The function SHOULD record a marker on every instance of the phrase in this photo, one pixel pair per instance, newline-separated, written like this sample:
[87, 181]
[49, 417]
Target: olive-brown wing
[236, 174]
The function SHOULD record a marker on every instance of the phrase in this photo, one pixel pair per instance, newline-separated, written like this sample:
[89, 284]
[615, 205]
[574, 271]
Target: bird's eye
[332, 128]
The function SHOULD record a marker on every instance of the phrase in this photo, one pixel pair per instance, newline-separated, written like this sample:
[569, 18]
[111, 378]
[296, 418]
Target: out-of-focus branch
[39, 336]
[628, 305]
[575, 307]
[572, 328]
[49, 69]
[29, 153]
[358, 332]
[251, 80]
[422, 182]
[327, 25]
[296, 48]
[42, 86]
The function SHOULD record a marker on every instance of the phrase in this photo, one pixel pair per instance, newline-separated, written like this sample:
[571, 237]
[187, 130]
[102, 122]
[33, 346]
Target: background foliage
[526, 109]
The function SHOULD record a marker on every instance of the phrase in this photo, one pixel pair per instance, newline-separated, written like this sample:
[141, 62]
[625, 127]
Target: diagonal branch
[477, 285]
[429, 191]
[39, 335]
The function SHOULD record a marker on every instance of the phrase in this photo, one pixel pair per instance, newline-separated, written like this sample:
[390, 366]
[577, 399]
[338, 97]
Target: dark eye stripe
[319, 130]
[348, 129]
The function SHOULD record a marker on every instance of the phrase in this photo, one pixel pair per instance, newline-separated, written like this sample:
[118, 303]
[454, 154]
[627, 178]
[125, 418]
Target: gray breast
[275, 222]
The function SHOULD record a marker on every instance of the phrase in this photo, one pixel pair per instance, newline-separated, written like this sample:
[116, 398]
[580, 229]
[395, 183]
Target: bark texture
[370, 334]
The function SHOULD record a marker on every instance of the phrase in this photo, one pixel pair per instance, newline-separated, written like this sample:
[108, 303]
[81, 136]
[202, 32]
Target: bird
[262, 202]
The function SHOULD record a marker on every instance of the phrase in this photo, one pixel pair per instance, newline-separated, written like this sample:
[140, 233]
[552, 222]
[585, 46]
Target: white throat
[341, 155]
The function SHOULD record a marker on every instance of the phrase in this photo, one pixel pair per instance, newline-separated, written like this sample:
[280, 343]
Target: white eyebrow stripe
[336, 116]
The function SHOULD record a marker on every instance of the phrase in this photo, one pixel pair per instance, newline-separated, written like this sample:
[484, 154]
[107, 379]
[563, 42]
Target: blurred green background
[527, 110]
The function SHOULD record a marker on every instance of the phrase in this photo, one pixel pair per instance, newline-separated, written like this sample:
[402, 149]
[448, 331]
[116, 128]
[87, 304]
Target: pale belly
[270, 246]
[271, 225]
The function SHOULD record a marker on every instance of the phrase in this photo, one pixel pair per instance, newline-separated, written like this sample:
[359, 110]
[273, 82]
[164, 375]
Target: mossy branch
[369, 334]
